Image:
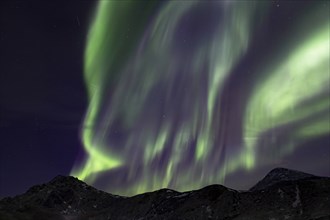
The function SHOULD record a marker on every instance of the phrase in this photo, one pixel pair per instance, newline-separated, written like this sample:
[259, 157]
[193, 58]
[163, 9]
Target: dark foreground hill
[282, 195]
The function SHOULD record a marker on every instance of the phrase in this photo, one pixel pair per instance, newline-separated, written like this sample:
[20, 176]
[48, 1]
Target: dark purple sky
[42, 94]
[44, 98]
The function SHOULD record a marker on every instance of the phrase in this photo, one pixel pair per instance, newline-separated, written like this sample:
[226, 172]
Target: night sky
[133, 96]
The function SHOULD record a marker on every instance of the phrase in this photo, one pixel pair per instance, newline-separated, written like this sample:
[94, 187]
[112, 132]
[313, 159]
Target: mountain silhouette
[281, 194]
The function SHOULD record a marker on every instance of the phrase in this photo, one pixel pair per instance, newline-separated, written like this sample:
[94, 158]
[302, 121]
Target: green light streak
[318, 128]
[105, 67]
[278, 99]
[139, 81]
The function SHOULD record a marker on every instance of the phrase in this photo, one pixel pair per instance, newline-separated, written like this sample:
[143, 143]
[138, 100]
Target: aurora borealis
[172, 104]
[133, 96]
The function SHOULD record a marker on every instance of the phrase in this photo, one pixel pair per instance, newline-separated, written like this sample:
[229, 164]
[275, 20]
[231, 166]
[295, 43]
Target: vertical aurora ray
[155, 74]
[291, 102]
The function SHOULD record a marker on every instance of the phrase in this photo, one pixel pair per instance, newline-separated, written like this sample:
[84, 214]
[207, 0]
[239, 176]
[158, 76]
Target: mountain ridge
[280, 174]
[281, 194]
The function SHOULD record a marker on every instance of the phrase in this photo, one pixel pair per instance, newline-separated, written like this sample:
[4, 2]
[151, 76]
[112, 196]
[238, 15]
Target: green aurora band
[155, 117]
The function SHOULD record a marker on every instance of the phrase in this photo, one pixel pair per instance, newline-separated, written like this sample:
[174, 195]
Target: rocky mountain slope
[282, 194]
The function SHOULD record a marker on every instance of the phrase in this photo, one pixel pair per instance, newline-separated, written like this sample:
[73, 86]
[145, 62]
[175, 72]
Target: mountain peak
[278, 175]
[287, 174]
[61, 178]
[59, 182]
[66, 179]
